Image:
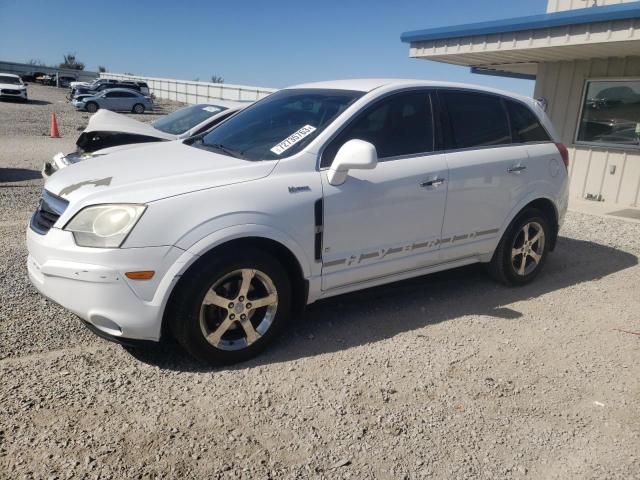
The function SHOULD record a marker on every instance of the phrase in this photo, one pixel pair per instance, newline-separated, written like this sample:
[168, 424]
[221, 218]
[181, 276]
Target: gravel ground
[446, 376]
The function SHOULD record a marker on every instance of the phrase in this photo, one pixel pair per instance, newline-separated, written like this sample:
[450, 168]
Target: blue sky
[263, 43]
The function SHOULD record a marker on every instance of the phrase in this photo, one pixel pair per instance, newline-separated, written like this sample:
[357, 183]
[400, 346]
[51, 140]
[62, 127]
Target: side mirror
[354, 154]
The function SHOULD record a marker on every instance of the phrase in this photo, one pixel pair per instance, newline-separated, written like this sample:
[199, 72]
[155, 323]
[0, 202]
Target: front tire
[92, 107]
[229, 308]
[523, 249]
[138, 108]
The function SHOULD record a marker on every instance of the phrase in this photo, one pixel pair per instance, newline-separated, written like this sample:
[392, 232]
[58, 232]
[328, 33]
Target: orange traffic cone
[54, 126]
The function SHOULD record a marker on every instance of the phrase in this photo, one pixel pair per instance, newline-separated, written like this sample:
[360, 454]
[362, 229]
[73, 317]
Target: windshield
[10, 80]
[182, 120]
[278, 126]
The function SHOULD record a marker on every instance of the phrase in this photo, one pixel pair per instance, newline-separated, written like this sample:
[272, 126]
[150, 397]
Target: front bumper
[78, 105]
[22, 95]
[57, 162]
[90, 282]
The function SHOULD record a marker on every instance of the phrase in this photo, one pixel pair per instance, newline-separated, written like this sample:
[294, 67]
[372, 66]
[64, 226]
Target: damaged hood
[151, 172]
[108, 121]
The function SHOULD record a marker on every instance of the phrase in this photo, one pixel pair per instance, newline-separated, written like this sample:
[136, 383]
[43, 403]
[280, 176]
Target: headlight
[77, 157]
[104, 226]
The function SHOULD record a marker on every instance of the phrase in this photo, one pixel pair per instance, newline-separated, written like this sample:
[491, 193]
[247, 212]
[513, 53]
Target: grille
[49, 210]
[9, 90]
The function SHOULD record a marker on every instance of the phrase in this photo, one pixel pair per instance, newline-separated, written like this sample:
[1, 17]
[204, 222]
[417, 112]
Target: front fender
[235, 232]
[219, 237]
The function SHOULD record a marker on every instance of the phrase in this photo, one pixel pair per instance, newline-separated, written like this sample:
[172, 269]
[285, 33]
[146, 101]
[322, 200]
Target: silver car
[116, 99]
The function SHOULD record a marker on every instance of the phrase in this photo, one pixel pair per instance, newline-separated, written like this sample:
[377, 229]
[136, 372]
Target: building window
[611, 113]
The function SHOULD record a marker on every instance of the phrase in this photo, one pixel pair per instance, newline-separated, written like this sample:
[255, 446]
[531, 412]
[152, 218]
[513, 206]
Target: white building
[585, 58]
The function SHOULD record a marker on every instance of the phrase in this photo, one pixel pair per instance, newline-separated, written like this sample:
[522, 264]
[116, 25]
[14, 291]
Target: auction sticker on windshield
[292, 139]
[211, 109]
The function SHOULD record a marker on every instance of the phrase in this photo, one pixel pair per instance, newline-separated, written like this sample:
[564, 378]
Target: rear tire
[230, 307]
[92, 107]
[523, 249]
[138, 108]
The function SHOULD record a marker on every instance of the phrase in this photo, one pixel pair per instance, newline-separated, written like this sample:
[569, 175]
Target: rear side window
[400, 125]
[525, 124]
[476, 120]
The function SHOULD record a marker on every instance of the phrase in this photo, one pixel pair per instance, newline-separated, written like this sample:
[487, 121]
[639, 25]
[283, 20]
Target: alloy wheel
[527, 248]
[238, 309]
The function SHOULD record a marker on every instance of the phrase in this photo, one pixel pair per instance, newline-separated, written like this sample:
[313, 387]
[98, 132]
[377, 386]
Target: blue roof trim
[607, 13]
[496, 73]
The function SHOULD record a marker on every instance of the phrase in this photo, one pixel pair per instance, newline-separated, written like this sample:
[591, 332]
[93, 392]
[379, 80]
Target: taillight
[564, 153]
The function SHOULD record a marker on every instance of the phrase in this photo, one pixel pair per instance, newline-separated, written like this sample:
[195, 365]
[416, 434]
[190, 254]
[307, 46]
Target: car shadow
[38, 102]
[18, 174]
[379, 313]
[29, 102]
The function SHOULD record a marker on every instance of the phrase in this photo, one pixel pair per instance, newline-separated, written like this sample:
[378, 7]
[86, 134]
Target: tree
[216, 79]
[102, 69]
[71, 62]
[36, 62]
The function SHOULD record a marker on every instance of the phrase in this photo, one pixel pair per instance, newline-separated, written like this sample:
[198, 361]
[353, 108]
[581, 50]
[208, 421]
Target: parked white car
[315, 191]
[109, 132]
[11, 86]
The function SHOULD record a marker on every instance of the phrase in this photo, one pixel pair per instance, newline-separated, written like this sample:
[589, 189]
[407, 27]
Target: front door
[389, 219]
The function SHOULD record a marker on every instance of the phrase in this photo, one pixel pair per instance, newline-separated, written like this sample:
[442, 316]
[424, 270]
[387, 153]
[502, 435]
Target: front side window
[399, 125]
[611, 113]
[278, 126]
[186, 118]
[476, 120]
[525, 125]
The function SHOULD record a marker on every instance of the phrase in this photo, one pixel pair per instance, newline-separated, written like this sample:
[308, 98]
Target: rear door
[128, 100]
[113, 100]
[545, 161]
[109, 101]
[487, 171]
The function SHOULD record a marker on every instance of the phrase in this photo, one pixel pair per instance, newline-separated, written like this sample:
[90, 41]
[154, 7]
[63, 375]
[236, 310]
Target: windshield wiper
[222, 148]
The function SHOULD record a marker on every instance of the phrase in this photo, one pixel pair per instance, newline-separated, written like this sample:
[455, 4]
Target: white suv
[314, 191]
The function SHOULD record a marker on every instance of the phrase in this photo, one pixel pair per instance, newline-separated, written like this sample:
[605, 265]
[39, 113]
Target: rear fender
[526, 200]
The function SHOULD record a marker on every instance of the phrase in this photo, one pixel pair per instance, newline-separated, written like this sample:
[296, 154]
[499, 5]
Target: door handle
[516, 169]
[436, 182]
